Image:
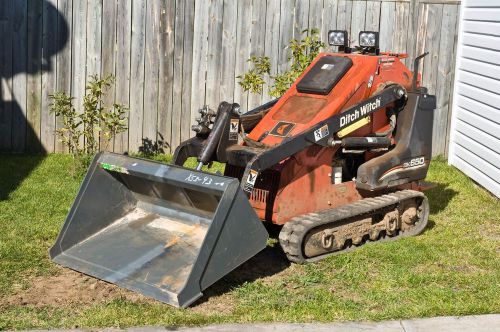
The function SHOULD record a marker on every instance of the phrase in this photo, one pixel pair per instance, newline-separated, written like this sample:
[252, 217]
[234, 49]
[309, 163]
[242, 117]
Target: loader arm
[194, 146]
[320, 134]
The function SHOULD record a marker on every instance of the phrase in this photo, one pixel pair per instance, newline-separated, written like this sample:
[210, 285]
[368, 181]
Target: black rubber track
[293, 232]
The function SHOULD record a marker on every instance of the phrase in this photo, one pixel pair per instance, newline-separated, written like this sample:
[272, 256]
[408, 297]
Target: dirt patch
[214, 303]
[68, 287]
[71, 287]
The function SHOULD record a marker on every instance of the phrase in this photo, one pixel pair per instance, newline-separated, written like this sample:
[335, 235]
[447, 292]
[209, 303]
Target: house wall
[475, 130]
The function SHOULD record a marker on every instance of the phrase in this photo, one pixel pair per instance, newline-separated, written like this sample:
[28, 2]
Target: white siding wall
[475, 126]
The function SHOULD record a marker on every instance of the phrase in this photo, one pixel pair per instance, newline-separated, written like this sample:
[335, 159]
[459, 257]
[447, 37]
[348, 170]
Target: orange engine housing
[302, 183]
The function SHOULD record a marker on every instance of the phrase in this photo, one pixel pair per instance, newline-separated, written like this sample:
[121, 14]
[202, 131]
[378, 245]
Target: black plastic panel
[409, 160]
[324, 75]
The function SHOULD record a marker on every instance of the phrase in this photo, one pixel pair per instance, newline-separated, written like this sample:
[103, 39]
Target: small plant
[303, 53]
[81, 131]
[151, 149]
[253, 79]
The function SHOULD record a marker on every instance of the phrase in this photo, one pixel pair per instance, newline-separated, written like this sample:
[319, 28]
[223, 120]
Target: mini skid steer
[337, 161]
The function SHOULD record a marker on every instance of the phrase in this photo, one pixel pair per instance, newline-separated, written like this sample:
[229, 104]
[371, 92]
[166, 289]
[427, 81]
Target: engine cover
[324, 75]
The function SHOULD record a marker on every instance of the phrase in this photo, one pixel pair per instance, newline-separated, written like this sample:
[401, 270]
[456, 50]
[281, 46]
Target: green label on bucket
[114, 168]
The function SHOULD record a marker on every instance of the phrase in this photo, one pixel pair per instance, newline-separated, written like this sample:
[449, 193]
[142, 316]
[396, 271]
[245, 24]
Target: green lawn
[453, 268]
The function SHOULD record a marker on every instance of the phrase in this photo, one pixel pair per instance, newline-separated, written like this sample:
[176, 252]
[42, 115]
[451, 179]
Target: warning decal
[233, 129]
[252, 177]
[321, 132]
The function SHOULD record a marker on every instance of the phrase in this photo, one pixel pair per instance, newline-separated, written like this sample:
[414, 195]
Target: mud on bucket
[164, 231]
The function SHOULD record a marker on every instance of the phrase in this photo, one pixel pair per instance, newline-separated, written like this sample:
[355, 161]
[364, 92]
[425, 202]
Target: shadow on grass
[440, 196]
[268, 262]
[14, 169]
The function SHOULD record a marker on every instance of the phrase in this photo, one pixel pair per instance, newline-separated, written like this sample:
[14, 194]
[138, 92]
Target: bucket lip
[183, 176]
[103, 154]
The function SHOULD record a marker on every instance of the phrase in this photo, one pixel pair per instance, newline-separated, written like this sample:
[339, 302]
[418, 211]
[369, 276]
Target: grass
[453, 268]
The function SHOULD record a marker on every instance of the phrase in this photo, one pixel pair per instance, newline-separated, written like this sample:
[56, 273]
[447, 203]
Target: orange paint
[305, 183]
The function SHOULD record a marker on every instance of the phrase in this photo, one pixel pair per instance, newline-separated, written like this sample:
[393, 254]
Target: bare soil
[66, 288]
[71, 287]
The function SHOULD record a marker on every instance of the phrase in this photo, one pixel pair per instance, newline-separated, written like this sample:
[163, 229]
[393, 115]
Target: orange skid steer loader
[337, 161]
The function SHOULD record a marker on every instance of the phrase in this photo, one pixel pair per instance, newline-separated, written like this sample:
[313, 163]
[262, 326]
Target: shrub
[80, 132]
[303, 53]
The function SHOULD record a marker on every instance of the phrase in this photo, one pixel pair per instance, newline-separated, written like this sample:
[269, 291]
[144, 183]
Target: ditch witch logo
[282, 129]
[360, 112]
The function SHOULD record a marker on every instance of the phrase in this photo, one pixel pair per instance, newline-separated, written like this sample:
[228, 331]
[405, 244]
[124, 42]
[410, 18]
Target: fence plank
[19, 71]
[168, 20]
[387, 21]
[49, 47]
[271, 43]
[178, 52]
[94, 38]
[329, 19]
[188, 109]
[301, 21]
[316, 14]
[137, 75]
[421, 30]
[108, 47]
[123, 60]
[344, 13]
[372, 19]
[151, 69]
[200, 48]
[257, 44]
[79, 51]
[286, 33]
[63, 69]
[400, 30]
[228, 54]
[94, 20]
[34, 84]
[446, 138]
[411, 38]
[445, 67]
[213, 52]
[357, 20]
[243, 35]
[431, 42]
[6, 105]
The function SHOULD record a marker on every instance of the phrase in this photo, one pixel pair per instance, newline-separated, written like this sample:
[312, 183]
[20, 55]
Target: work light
[368, 39]
[337, 38]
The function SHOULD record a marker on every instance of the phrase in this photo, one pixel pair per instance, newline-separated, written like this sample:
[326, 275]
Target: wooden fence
[170, 57]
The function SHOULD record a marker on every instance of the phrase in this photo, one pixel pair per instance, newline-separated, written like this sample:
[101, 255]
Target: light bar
[337, 38]
[368, 39]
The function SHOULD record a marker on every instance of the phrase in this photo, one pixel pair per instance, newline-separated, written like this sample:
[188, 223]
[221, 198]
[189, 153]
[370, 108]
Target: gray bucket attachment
[164, 231]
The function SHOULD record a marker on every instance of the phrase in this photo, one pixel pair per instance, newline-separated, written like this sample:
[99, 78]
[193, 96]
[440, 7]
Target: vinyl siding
[475, 124]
